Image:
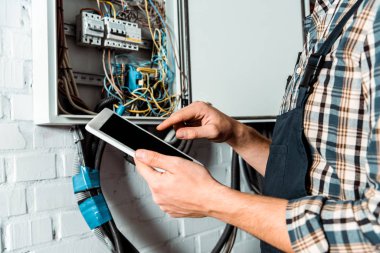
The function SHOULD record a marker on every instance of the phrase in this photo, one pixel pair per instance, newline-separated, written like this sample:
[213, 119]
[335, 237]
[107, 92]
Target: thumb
[156, 160]
[147, 172]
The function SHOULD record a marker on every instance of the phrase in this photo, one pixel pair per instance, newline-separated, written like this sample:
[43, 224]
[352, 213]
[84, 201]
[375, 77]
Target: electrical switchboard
[151, 58]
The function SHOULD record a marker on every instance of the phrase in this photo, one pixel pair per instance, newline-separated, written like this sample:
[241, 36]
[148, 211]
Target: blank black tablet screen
[135, 138]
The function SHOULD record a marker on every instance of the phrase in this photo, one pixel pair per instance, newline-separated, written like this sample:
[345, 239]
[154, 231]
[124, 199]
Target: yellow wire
[132, 40]
[149, 24]
[110, 80]
[130, 102]
[158, 46]
[113, 7]
[151, 96]
[166, 111]
[147, 90]
[140, 111]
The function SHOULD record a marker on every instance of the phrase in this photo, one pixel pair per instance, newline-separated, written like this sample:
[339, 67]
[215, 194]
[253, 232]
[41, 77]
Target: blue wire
[109, 93]
[158, 13]
[105, 7]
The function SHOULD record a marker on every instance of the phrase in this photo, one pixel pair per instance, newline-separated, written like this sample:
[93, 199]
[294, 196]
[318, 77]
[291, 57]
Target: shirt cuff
[304, 224]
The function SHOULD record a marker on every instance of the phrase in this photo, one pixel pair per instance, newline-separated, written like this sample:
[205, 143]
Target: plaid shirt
[342, 126]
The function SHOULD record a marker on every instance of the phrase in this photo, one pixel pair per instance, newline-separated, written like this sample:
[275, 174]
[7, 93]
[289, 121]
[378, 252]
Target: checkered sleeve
[322, 224]
[316, 224]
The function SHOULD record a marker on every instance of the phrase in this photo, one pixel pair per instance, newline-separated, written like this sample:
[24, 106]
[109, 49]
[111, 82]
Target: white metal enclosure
[236, 56]
[242, 54]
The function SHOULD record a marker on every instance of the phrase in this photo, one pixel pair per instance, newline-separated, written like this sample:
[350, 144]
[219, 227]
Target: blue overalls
[286, 174]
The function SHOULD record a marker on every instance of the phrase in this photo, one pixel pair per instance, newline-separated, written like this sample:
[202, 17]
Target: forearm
[251, 146]
[260, 216]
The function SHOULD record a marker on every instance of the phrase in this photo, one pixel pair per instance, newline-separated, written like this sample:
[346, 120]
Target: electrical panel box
[151, 58]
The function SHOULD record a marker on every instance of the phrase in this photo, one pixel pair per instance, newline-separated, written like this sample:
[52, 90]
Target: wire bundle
[90, 153]
[227, 239]
[149, 95]
[69, 101]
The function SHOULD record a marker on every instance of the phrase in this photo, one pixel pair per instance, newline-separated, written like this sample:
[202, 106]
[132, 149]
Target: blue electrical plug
[133, 77]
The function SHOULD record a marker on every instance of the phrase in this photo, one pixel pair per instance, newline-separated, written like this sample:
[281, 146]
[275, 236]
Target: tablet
[128, 137]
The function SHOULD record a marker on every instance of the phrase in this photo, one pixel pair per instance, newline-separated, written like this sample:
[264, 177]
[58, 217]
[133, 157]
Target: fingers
[177, 118]
[148, 173]
[189, 133]
[156, 160]
[188, 113]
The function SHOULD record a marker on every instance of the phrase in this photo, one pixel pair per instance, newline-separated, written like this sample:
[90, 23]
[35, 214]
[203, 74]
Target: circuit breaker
[153, 57]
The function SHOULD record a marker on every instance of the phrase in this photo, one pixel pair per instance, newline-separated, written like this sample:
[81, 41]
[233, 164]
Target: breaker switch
[90, 29]
[121, 34]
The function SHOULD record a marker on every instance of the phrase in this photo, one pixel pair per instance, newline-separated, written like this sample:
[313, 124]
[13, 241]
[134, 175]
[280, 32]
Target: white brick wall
[20, 234]
[13, 201]
[52, 196]
[38, 211]
[71, 224]
[22, 112]
[17, 235]
[33, 167]
[2, 171]
[10, 137]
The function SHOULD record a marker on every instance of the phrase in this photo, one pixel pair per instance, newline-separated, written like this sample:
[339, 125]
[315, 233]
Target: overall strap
[317, 59]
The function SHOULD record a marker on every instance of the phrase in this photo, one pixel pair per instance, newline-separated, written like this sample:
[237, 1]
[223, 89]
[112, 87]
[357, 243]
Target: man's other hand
[200, 120]
[183, 189]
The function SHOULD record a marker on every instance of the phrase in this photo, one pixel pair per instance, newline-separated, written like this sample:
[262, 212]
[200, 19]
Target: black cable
[257, 180]
[99, 154]
[114, 233]
[188, 146]
[127, 245]
[235, 184]
[182, 145]
[253, 178]
[106, 230]
[92, 142]
[248, 179]
[121, 243]
[105, 103]
[116, 236]
[223, 238]
[95, 148]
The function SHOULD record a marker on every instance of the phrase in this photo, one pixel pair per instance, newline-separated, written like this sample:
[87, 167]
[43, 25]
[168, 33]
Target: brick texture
[17, 235]
[10, 137]
[2, 171]
[38, 210]
[53, 196]
[33, 167]
[19, 110]
[72, 223]
[13, 201]
[41, 230]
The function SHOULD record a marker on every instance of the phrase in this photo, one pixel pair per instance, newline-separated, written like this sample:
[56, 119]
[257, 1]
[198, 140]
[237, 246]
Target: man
[327, 139]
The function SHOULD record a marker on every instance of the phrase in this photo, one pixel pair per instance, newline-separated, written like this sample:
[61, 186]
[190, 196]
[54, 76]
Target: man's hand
[186, 189]
[200, 120]
[182, 190]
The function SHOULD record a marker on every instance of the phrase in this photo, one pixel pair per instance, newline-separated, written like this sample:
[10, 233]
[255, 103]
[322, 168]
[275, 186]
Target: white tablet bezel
[98, 121]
